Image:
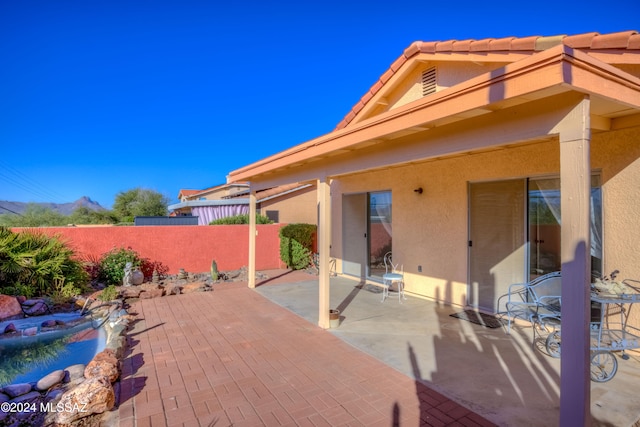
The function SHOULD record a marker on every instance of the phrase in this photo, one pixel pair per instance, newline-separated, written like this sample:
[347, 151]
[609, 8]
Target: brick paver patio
[232, 357]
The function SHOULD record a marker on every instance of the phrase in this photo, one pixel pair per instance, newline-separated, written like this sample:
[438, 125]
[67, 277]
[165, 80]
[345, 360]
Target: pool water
[26, 359]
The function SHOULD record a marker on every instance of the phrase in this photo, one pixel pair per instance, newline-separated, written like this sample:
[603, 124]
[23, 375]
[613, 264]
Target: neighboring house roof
[513, 47]
[523, 70]
[198, 203]
[187, 193]
[194, 194]
[271, 193]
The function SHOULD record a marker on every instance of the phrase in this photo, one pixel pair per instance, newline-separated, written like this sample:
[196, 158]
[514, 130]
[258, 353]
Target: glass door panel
[379, 231]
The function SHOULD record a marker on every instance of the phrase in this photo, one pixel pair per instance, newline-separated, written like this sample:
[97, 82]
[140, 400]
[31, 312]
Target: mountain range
[7, 207]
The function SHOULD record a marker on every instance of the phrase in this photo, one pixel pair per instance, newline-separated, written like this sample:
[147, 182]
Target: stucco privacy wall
[189, 247]
[431, 229]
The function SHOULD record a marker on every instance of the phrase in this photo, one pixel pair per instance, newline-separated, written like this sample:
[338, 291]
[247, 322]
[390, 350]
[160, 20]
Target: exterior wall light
[418, 190]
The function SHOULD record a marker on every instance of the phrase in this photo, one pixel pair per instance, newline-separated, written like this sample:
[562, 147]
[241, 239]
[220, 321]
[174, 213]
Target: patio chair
[537, 301]
[394, 273]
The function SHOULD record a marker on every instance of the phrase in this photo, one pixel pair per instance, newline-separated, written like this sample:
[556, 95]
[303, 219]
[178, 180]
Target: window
[273, 216]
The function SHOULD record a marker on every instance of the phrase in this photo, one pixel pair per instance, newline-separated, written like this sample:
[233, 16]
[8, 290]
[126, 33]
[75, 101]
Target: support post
[251, 269]
[575, 189]
[324, 247]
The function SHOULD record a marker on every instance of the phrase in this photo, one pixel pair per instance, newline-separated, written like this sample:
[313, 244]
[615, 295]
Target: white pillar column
[251, 269]
[324, 242]
[575, 188]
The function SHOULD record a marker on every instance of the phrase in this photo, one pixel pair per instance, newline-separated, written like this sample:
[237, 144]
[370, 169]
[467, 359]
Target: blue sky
[99, 97]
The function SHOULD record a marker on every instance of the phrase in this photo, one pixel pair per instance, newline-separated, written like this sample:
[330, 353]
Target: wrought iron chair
[394, 273]
[537, 301]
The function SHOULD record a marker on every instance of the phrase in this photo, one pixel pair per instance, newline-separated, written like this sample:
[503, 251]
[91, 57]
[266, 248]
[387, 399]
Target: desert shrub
[296, 245]
[112, 264]
[32, 263]
[149, 266]
[240, 219]
[108, 294]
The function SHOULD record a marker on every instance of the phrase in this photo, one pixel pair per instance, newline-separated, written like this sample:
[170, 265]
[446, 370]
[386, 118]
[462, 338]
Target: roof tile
[462, 46]
[501, 44]
[413, 49]
[428, 47]
[612, 40]
[398, 63]
[579, 40]
[524, 43]
[634, 41]
[445, 46]
[480, 45]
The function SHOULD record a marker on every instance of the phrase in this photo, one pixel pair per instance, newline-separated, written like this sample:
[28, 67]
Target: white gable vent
[429, 81]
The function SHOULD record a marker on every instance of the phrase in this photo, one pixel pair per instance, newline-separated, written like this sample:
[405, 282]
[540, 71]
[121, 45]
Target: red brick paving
[233, 357]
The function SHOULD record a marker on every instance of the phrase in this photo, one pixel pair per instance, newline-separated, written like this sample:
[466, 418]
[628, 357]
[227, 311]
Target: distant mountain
[62, 208]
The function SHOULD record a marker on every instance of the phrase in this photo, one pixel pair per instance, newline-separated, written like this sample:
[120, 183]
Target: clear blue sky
[99, 97]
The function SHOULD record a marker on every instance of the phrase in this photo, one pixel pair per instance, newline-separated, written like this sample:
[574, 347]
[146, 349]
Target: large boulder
[92, 396]
[49, 380]
[9, 307]
[103, 364]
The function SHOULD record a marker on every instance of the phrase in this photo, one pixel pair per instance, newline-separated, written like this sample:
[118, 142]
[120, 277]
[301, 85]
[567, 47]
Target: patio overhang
[557, 72]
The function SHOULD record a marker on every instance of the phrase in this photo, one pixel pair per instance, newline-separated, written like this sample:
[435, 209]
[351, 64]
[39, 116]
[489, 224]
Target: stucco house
[483, 163]
[295, 202]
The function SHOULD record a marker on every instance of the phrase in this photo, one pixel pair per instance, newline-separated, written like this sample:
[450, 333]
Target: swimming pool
[27, 358]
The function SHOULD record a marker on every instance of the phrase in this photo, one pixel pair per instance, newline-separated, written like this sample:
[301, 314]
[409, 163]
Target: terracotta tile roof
[625, 40]
[270, 192]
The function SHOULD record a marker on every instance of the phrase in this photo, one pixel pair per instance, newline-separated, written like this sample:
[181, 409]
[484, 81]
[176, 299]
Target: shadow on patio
[499, 376]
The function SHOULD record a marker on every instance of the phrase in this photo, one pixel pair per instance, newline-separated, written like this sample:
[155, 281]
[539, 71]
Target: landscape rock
[130, 292]
[92, 396]
[48, 381]
[104, 364]
[4, 397]
[74, 372]
[48, 323]
[37, 309]
[29, 332]
[9, 307]
[10, 329]
[194, 287]
[28, 397]
[154, 293]
[15, 390]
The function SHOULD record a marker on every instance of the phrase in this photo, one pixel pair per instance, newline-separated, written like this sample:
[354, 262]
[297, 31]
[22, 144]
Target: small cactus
[214, 270]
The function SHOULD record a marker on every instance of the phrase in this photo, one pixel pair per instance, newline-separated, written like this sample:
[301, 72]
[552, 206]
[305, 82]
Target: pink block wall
[191, 247]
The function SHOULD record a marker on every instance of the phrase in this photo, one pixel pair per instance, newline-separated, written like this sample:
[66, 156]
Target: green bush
[296, 245]
[240, 219]
[108, 294]
[33, 264]
[111, 266]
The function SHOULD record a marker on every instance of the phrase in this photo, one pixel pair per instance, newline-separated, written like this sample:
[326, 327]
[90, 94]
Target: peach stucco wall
[298, 207]
[431, 229]
[189, 247]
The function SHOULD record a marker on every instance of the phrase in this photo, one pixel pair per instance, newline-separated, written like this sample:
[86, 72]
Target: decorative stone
[27, 397]
[92, 396]
[155, 277]
[74, 372]
[137, 277]
[104, 363]
[130, 292]
[60, 322]
[194, 287]
[172, 290]
[29, 332]
[37, 309]
[155, 293]
[182, 275]
[15, 390]
[4, 397]
[48, 323]
[127, 280]
[31, 302]
[9, 307]
[10, 329]
[48, 381]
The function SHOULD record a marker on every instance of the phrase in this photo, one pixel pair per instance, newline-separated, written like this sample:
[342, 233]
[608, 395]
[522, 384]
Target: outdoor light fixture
[418, 190]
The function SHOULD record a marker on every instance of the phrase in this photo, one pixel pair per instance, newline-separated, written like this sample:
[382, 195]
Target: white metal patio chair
[537, 301]
[394, 273]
